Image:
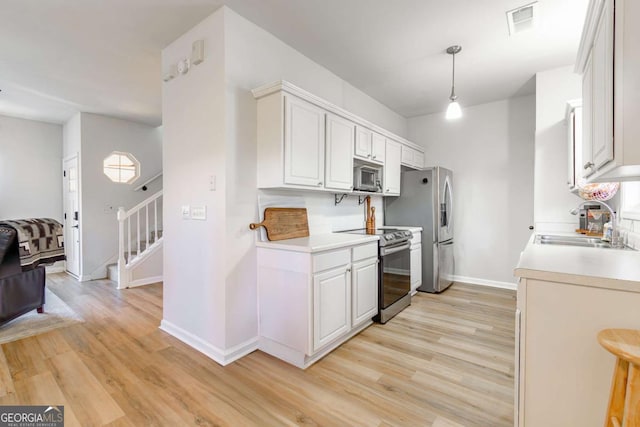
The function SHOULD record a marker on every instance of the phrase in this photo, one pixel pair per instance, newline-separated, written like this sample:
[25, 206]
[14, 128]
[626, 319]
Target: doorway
[71, 195]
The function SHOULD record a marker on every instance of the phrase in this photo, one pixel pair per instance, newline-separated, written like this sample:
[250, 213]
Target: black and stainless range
[394, 271]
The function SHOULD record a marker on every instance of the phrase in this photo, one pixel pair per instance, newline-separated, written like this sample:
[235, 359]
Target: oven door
[394, 274]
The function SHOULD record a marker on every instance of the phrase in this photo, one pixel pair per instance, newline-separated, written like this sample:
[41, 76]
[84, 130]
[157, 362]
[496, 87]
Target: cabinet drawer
[365, 251]
[331, 259]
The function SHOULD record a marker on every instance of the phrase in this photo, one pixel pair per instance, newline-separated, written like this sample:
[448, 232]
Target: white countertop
[319, 242]
[594, 267]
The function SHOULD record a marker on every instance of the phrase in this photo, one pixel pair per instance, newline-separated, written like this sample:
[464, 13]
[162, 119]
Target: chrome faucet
[575, 211]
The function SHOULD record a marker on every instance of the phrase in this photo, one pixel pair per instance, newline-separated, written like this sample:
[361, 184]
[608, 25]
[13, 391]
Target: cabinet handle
[320, 184]
[348, 270]
[588, 165]
[374, 156]
[388, 190]
[368, 155]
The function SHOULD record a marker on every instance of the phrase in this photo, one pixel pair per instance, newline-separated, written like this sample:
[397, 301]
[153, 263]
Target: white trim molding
[220, 356]
[485, 282]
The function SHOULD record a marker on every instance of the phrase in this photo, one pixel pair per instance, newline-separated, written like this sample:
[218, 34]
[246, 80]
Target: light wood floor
[447, 360]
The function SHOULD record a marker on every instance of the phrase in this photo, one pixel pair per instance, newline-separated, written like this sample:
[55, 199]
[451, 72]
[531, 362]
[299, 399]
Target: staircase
[140, 244]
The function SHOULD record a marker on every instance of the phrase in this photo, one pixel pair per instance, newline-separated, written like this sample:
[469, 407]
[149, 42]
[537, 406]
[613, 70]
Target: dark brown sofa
[20, 292]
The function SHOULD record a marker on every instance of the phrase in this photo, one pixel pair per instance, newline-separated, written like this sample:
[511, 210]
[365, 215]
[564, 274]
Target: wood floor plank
[445, 361]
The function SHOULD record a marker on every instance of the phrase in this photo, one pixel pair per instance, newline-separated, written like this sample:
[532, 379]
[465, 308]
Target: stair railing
[146, 234]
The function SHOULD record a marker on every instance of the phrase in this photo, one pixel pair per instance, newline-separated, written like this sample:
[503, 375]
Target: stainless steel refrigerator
[426, 200]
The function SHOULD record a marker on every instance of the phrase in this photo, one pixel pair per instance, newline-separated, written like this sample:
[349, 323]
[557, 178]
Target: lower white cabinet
[311, 302]
[364, 295]
[563, 376]
[416, 266]
[331, 305]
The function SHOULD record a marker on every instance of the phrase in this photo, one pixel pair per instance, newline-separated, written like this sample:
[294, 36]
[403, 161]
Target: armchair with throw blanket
[24, 245]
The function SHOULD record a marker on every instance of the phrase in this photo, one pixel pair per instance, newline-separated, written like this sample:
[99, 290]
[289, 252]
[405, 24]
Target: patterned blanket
[40, 241]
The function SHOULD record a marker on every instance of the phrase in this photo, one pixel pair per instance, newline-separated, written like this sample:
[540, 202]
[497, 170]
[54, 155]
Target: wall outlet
[186, 212]
[199, 213]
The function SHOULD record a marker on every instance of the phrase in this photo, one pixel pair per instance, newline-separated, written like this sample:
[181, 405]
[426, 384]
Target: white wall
[193, 111]
[94, 137]
[210, 267]
[490, 150]
[552, 199]
[30, 169]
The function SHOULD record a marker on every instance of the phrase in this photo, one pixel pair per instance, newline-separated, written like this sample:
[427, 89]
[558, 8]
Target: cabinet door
[418, 159]
[602, 81]
[571, 149]
[392, 169]
[364, 285]
[339, 158]
[407, 156]
[416, 267]
[331, 306]
[587, 121]
[303, 143]
[378, 147]
[363, 143]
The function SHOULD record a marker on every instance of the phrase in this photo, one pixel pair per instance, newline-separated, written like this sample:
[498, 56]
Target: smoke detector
[522, 18]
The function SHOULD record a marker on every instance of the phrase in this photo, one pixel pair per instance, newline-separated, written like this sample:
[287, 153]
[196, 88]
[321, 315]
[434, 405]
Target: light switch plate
[199, 212]
[186, 212]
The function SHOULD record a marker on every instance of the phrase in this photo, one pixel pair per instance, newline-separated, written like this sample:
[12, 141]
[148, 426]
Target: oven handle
[393, 250]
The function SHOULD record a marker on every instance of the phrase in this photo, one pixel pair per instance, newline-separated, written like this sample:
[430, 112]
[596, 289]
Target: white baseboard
[222, 357]
[143, 282]
[485, 282]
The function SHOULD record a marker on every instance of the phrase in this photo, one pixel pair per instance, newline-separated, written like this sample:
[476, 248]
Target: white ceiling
[62, 56]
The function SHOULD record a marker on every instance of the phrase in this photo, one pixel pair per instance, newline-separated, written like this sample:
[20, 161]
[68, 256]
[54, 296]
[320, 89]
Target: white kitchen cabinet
[392, 169]
[364, 285]
[609, 59]
[584, 166]
[369, 146]
[563, 375]
[303, 143]
[416, 266]
[331, 305]
[378, 147]
[574, 142]
[340, 137]
[412, 158]
[310, 301]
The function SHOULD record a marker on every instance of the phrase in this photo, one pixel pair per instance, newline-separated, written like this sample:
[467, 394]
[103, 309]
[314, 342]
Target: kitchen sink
[582, 241]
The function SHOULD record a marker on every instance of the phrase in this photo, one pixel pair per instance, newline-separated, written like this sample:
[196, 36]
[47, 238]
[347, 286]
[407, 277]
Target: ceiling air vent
[522, 18]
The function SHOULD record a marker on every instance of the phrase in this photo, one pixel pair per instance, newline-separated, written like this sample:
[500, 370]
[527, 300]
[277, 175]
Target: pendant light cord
[453, 79]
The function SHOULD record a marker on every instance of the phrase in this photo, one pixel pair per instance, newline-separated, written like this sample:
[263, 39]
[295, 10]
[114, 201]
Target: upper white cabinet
[369, 145]
[574, 142]
[340, 137]
[412, 157]
[392, 169]
[307, 143]
[303, 143]
[609, 60]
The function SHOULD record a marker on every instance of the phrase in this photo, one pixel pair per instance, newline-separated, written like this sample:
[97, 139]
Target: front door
[71, 187]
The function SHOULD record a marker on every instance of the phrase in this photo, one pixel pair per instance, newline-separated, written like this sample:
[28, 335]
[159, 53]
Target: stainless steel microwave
[367, 178]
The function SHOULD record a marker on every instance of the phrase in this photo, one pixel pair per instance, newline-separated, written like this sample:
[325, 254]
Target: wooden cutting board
[284, 223]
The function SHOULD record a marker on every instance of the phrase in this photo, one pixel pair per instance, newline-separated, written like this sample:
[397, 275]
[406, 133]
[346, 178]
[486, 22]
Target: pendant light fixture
[453, 111]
